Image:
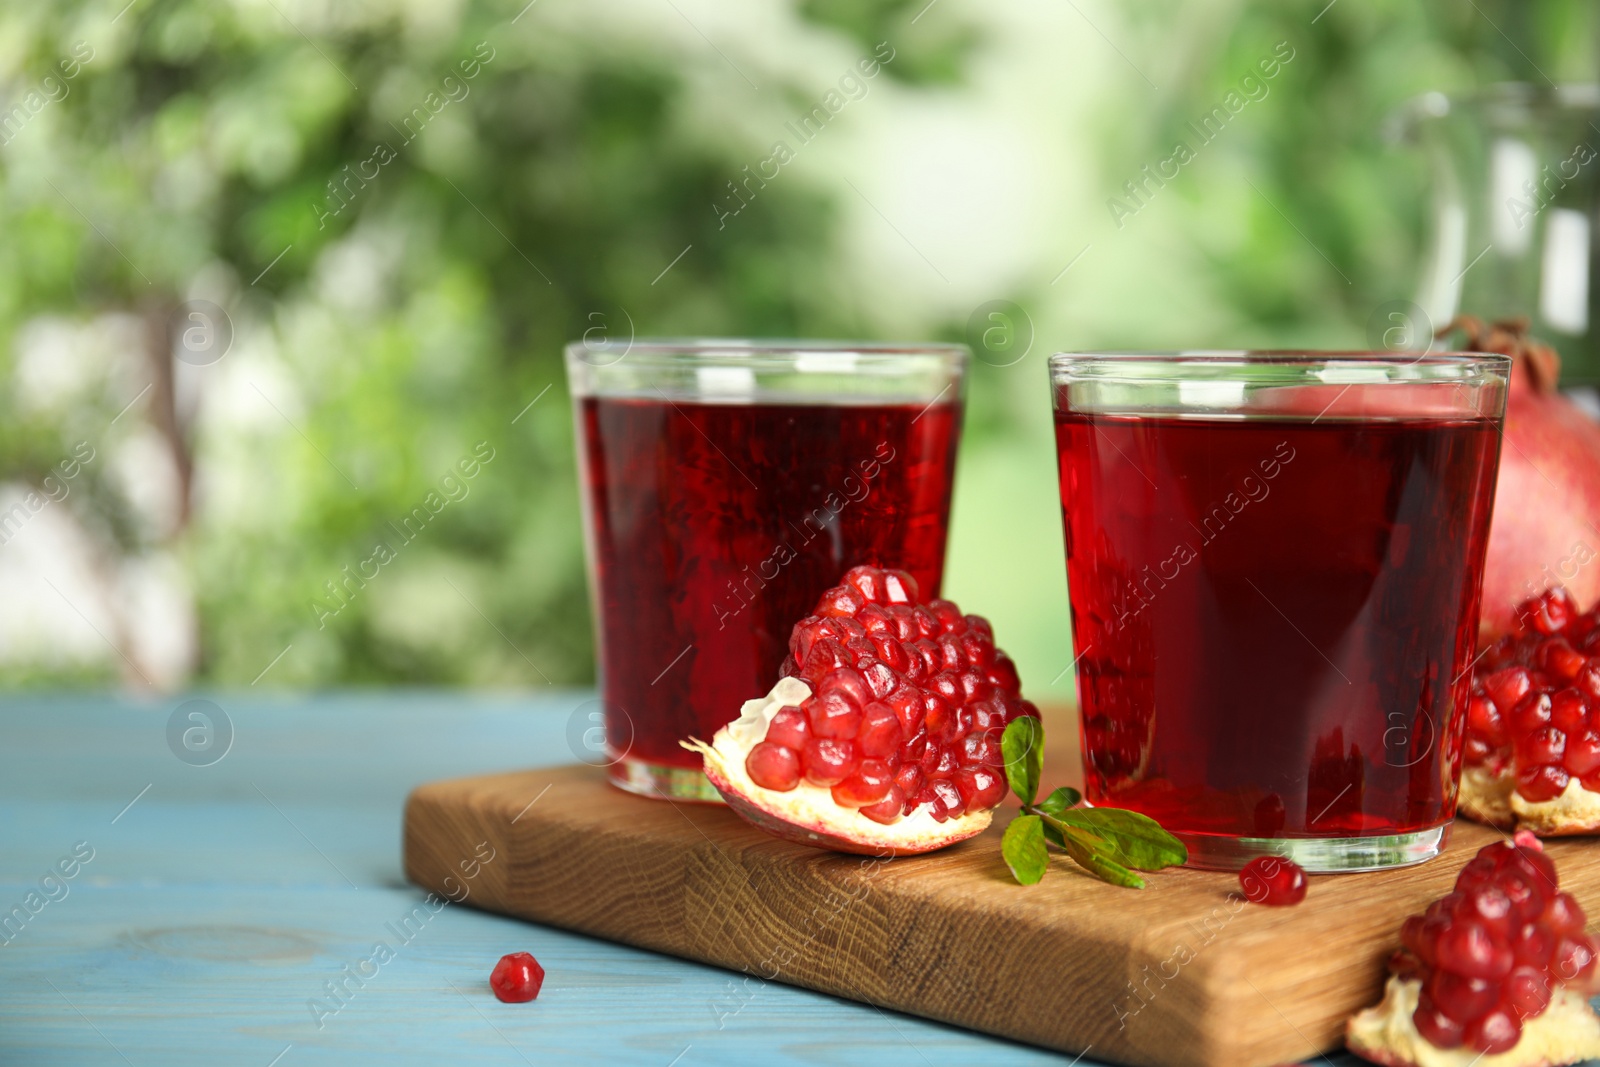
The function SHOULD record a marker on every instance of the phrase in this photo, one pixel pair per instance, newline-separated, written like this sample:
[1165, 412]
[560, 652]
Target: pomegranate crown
[1509, 337]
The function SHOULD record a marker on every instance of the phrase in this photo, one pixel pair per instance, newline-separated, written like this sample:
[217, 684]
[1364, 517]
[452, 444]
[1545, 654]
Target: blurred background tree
[280, 265]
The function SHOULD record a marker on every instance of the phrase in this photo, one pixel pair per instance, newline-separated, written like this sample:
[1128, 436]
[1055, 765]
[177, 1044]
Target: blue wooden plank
[220, 901]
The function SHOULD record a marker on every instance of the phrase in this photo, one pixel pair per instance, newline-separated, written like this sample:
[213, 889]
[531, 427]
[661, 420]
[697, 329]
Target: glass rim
[1063, 364]
[762, 349]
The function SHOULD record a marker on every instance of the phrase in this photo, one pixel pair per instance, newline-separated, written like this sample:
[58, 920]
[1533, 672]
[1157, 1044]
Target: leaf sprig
[1109, 843]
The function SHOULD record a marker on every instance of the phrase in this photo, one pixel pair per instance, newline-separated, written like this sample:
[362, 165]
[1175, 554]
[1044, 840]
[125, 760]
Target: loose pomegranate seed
[516, 978]
[1274, 881]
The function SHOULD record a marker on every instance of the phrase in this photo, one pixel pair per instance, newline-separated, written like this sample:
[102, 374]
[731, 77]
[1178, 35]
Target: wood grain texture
[1182, 974]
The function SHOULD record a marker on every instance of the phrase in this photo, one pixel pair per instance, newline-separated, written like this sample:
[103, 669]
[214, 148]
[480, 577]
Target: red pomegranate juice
[715, 526]
[1275, 618]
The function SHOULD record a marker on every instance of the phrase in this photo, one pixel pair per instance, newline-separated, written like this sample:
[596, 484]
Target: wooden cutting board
[1182, 973]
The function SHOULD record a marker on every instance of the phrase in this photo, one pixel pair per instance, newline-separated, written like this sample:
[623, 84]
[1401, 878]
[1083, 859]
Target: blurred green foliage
[403, 248]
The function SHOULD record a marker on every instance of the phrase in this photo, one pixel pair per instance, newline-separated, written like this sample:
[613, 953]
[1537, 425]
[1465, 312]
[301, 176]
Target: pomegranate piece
[884, 732]
[1274, 881]
[1533, 723]
[1500, 966]
[516, 979]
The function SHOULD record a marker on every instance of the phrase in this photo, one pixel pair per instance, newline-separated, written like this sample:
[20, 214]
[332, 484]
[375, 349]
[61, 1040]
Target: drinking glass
[726, 484]
[1274, 566]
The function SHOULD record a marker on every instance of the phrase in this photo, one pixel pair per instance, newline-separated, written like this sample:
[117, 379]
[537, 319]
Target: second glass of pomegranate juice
[1274, 563]
[726, 485]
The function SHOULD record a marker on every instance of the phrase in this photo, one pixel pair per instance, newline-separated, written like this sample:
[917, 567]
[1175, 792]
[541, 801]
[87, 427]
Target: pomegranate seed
[891, 652]
[1573, 961]
[1547, 613]
[1489, 906]
[772, 766]
[1564, 914]
[1003, 673]
[840, 600]
[848, 683]
[1484, 719]
[1508, 686]
[1469, 948]
[516, 979]
[899, 588]
[1496, 1032]
[947, 685]
[1568, 712]
[1588, 680]
[868, 581]
[889, 809]
[1583, 754]
[832, 715]
[1534, 945]
[880, 733]
[1531, 713]
[1544, 782]
[944, 799]
[1561, 659]
[1544, 745]
[1274, 881]
[789, 728]
[980, 788]
[940, 718]
[950, 618]
[1437, 1028]
[978, 649]
[870, 784]
[1527, 992]
[1463, 999]
[827, 761]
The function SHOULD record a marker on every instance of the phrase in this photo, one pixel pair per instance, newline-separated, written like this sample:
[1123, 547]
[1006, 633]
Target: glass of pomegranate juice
[726, 484]
[1274, 563]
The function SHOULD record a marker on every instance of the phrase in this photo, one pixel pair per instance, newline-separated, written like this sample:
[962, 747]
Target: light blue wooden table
[220, 899]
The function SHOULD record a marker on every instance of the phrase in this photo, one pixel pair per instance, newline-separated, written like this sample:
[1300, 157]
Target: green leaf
[1133, 840]
[1113, 872]
[1062, 834]
[1023, 849]
[1023, 748]
[1060, 800]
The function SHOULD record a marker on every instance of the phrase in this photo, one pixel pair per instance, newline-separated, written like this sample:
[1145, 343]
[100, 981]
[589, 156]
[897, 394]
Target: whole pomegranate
[1546, 527]
[884, 735]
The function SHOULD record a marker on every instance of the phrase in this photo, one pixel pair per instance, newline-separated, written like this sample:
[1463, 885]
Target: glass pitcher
[1516, 188]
